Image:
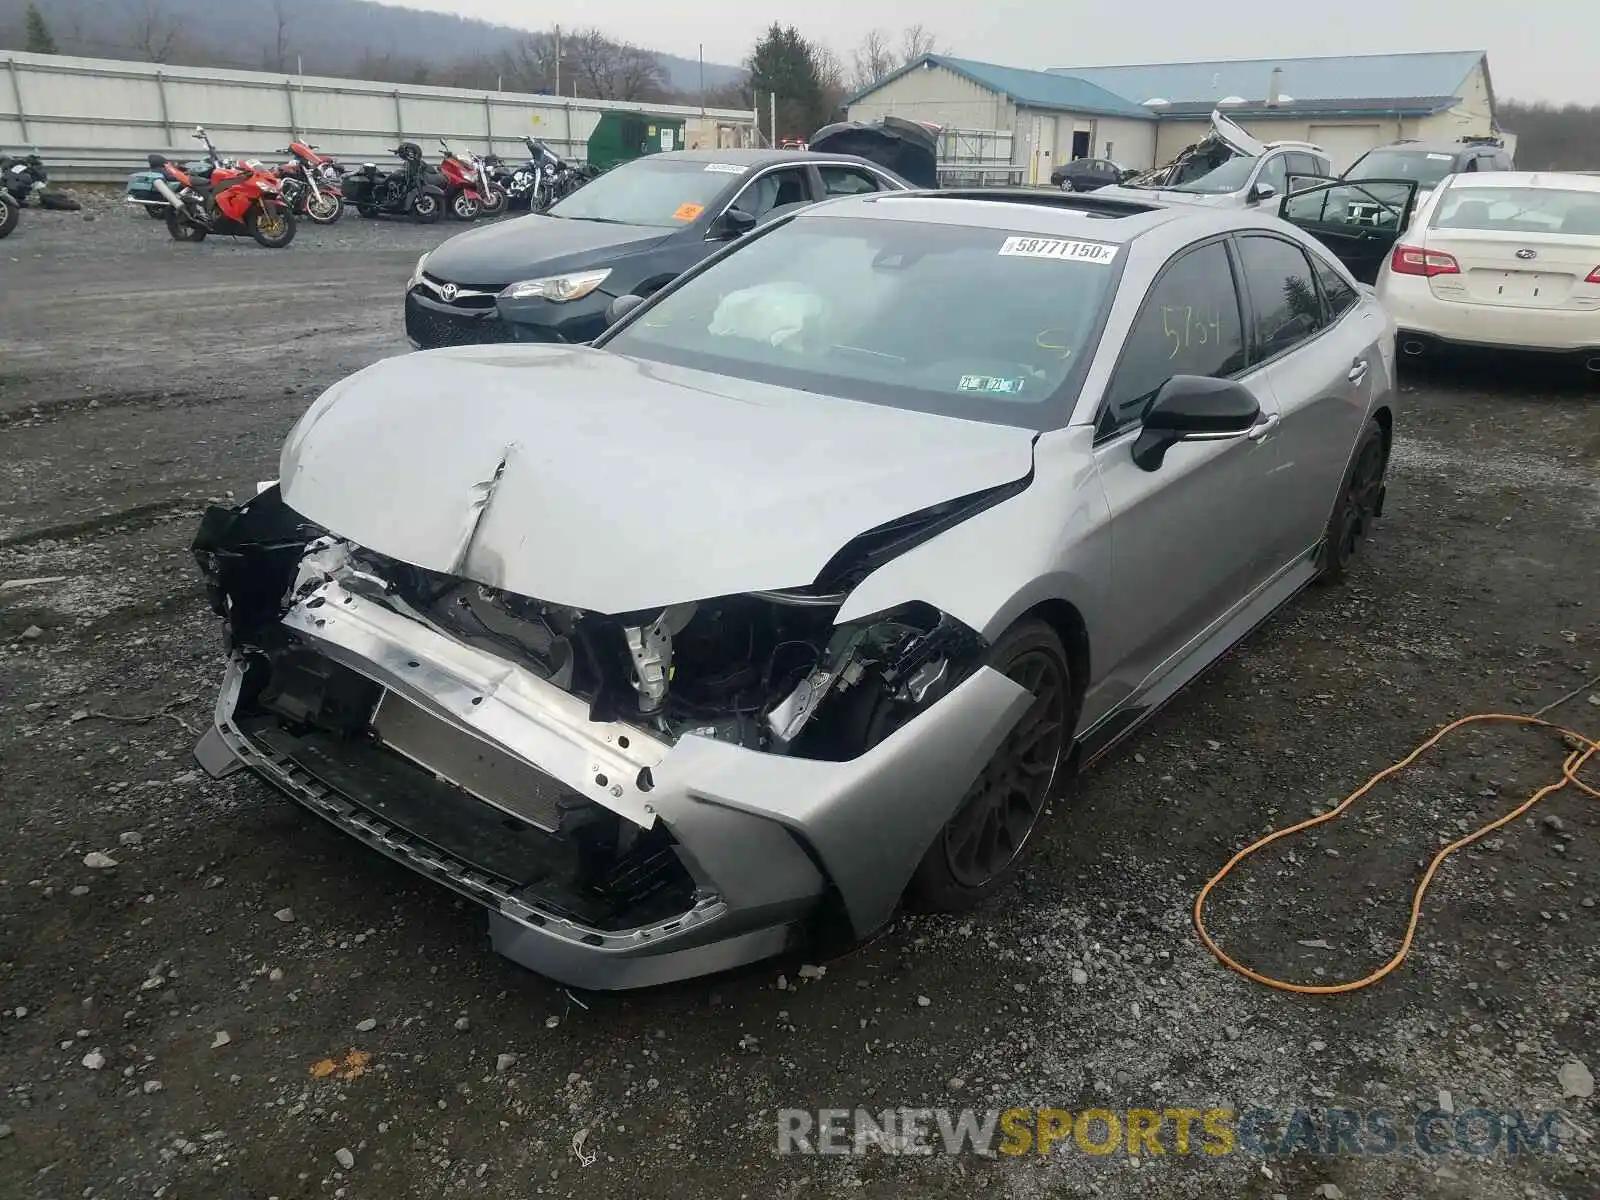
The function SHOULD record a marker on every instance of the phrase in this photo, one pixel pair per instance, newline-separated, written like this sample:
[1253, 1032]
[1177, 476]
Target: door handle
[1358, 372]
[1263, 427]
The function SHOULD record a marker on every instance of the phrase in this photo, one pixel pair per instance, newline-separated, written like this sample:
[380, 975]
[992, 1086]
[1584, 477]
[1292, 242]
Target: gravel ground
[163, 1018]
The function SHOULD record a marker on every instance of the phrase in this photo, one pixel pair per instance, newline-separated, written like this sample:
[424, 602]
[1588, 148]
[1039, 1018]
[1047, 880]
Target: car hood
[498, 254]
[587, 479]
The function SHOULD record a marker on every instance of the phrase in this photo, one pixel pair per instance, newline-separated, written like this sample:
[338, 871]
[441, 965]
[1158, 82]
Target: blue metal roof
[1354, 77]
[1032, 89]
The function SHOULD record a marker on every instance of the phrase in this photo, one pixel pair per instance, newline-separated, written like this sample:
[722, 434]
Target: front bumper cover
[767, 838]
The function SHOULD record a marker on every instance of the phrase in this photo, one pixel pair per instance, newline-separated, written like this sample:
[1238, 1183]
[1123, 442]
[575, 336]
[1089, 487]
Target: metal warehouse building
[1143, 115]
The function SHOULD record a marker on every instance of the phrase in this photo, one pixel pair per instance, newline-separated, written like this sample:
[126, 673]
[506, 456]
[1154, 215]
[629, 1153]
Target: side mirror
[1193, 408]
[621, 307]
[735, 223]
[1262, 191]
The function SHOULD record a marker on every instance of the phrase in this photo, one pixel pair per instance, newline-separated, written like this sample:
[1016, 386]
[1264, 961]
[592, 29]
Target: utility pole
[772, 98]
[702, 79]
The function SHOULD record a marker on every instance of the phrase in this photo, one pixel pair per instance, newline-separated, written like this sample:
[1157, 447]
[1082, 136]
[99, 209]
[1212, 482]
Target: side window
[1276, 172]
[1283, 296]
[773, 189]
[847, 181]
[1337, 295]
[1189, 325]
[1471, 164]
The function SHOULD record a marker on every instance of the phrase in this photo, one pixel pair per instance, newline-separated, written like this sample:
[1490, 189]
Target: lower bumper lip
[764, 837]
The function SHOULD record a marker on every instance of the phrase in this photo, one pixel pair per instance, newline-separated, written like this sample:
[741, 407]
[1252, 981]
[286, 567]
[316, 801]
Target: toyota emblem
[1527, 254]
[448, 291]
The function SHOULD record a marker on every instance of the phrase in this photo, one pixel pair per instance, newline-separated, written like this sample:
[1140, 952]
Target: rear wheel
[425, 209]
[181, 229]
[987, 840]
[464, 207]
[1359, 502]
[271, 227]
[9, 216]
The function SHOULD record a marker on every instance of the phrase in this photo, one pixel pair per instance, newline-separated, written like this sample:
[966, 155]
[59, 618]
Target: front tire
[325, 209]
[272, 229]
[993, 830]
[495, 202]
[464, 208]
[1360, 500]
[9, 216]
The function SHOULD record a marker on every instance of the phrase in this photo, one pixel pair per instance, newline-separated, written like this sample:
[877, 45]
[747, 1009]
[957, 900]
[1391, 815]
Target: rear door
[1187, 542]
[1358, 222]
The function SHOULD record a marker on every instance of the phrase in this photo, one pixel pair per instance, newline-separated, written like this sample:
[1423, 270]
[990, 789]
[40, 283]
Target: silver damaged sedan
[800, 594]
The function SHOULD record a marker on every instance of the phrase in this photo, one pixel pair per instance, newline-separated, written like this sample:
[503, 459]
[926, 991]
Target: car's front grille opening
[407, 769]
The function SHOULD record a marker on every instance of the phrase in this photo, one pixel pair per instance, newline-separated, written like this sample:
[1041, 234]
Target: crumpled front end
[634, 798]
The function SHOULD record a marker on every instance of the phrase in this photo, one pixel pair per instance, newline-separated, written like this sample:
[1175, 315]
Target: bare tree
[152, 31]
[283, 12]
[831, 75]
[529, 65]
[879, 56]
[609, 70]
[871, 60]
[916, 41]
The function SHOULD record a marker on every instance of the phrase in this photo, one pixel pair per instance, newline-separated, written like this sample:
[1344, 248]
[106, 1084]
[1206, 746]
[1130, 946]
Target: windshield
[1427, 167]
[983, 324]
[1229, 177]
[1520, 210]
[667, 193]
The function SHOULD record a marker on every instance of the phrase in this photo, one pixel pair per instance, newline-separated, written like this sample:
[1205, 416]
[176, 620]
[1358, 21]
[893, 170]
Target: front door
[1359, 222]
[1188, 539]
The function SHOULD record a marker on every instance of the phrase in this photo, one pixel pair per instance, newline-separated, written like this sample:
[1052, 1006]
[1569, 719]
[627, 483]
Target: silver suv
[1229, 168]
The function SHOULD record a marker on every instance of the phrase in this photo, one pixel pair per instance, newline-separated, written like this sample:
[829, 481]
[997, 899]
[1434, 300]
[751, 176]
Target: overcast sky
[1538, 49]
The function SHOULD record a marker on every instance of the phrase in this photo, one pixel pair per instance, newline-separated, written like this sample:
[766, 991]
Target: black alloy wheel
[1358, 506]
[987, 840]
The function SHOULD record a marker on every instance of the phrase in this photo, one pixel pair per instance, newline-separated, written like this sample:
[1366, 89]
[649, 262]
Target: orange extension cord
[1569, 775]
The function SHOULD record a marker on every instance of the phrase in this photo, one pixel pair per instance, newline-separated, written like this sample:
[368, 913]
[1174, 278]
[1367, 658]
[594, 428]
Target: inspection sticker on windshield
[994, 385]
[1100, 253]
[726, 168]
[1440, 157]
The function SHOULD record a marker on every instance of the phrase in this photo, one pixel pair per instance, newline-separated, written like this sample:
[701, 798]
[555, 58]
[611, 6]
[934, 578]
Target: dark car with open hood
[548, 277]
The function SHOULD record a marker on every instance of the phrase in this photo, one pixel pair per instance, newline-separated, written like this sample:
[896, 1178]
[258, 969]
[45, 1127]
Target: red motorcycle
[311, 184]
[239, 199]
[462, 194]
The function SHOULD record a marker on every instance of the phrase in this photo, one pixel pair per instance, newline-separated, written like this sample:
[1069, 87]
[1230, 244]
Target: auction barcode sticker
[717, 168]
[1100, 253]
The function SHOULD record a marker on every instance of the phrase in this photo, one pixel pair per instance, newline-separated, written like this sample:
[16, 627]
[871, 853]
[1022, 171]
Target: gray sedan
[800, 594]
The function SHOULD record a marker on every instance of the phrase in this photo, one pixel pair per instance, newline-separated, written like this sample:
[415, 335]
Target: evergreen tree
[40, 40]
[786, 65]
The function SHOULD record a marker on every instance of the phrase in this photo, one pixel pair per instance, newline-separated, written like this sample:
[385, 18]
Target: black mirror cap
[736, 222]
[1193, 406]
[1262, 191]
[621, 307]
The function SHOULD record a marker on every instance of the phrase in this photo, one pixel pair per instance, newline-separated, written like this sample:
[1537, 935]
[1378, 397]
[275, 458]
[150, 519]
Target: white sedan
[1509, 259]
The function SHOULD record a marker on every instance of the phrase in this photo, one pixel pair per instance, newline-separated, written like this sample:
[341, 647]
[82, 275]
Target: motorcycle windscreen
[908, 148]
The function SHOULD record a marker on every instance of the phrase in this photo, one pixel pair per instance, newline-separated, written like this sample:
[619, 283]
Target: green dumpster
[622, 136]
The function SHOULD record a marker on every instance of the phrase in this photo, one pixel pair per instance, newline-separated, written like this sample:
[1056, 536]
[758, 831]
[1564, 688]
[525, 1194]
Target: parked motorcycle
[466, 187]
[141, 189]
[241, 199]
[23, 176]
[405, 192]
[10, 212]
[311, 184]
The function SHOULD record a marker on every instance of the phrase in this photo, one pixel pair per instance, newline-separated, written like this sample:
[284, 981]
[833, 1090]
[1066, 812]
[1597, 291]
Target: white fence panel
[98, 118]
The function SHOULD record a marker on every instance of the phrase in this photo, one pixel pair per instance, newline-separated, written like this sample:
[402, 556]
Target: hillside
[357, 39]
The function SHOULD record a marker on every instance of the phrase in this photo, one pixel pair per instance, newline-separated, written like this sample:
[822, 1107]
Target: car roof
[1041, 212]
[1565, 180]
[1438, 146]
[754, 158]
